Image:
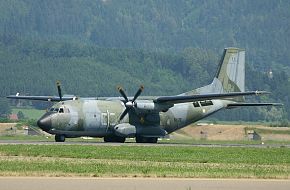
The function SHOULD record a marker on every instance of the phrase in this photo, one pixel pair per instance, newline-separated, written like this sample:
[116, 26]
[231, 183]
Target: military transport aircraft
[146, 118]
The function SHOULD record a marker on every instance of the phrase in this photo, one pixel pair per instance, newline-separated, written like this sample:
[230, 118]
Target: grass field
[29, 113]
[144, 161]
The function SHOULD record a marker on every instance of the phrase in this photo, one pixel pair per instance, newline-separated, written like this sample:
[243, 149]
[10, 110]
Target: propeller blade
[120, 89]
[124, 113]
[138, 93]
[59, 90]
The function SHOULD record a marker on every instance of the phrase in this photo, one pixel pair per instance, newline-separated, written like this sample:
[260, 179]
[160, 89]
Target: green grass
[162, 141]
[26, 138]
[219, 142]
[29, 112]
[152, 161]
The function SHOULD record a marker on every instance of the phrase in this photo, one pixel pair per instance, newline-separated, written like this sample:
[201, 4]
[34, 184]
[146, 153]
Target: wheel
[114, 139]
[59, 138]
[153, 140]
[140, 139]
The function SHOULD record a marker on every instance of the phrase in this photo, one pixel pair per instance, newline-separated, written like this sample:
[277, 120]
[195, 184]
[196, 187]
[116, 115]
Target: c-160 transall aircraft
[147, 118]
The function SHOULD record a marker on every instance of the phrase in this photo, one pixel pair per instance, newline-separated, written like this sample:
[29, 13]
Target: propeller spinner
[129, 104]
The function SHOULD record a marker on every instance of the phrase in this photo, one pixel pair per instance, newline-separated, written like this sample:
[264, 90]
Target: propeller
[59, 90]
[129, 104]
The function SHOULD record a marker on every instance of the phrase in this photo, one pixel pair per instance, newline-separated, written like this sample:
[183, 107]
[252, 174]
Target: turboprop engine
[147, 106]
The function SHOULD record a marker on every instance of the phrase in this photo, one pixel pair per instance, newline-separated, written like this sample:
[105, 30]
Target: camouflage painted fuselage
[98, 118]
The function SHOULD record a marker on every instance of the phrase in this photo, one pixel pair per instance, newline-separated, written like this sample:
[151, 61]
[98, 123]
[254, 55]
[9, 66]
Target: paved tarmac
[55, 183]
[96, 143]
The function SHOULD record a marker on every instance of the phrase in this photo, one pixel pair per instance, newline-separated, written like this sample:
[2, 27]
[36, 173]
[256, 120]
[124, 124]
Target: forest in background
[168, 46]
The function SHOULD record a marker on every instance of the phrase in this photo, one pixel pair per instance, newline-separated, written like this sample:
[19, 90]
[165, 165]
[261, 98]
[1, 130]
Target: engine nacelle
[148, 106]
[125, 130]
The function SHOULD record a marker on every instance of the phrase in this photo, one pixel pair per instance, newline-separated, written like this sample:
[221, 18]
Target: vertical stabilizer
[230, 75]
[231, 71]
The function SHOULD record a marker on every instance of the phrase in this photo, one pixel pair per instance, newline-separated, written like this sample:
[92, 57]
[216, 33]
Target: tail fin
[231, 72]
[230, 76]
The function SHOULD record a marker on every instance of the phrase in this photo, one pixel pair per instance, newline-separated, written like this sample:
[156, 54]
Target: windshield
[61, 109]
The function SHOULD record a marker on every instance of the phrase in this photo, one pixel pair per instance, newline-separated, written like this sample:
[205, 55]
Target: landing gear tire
[59, 138]
[140, 139]
[114, 139]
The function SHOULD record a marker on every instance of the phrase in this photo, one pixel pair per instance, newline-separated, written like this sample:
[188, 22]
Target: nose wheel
[59, 138]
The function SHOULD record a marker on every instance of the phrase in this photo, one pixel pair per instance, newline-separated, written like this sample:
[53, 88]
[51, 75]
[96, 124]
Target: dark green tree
[20, 115]
[4, 107]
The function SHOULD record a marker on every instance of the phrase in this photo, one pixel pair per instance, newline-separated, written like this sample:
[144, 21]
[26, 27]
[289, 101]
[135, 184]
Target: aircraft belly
[95, 133]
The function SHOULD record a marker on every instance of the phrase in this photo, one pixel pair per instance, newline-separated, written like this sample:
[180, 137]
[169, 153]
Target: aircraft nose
[44, 123]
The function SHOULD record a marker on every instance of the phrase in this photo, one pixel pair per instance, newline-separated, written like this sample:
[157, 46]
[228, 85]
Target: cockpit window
[60, 110]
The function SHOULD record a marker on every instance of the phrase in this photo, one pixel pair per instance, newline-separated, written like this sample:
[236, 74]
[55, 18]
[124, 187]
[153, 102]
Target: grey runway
[96, 143]
[48, 183]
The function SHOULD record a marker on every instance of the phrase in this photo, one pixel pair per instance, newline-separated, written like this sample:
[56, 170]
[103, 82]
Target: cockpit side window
[60, 110]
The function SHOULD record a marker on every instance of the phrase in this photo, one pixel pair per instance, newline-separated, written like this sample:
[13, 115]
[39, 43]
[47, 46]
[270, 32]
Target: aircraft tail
[231, 72]
[230, 76]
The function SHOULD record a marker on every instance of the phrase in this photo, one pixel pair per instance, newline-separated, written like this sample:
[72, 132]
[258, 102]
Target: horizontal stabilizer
[252, 104]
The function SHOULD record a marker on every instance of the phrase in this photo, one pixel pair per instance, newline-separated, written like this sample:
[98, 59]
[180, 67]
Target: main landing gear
[114, 139]
[59, 138]
[140, 139]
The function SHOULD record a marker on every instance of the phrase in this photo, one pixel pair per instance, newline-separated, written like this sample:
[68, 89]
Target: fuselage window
[196, 104]
[206, 103]
[56, 109]
[51, 109]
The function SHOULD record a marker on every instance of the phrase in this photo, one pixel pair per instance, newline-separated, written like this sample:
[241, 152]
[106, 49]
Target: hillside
[261, 27]
[168, 46]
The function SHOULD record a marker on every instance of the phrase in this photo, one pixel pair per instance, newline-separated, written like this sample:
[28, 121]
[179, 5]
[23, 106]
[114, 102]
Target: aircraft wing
[201, 97]
[42, 98]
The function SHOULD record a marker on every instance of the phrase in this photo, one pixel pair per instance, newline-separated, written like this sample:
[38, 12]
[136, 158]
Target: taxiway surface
[28, 183]
[96, 143]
